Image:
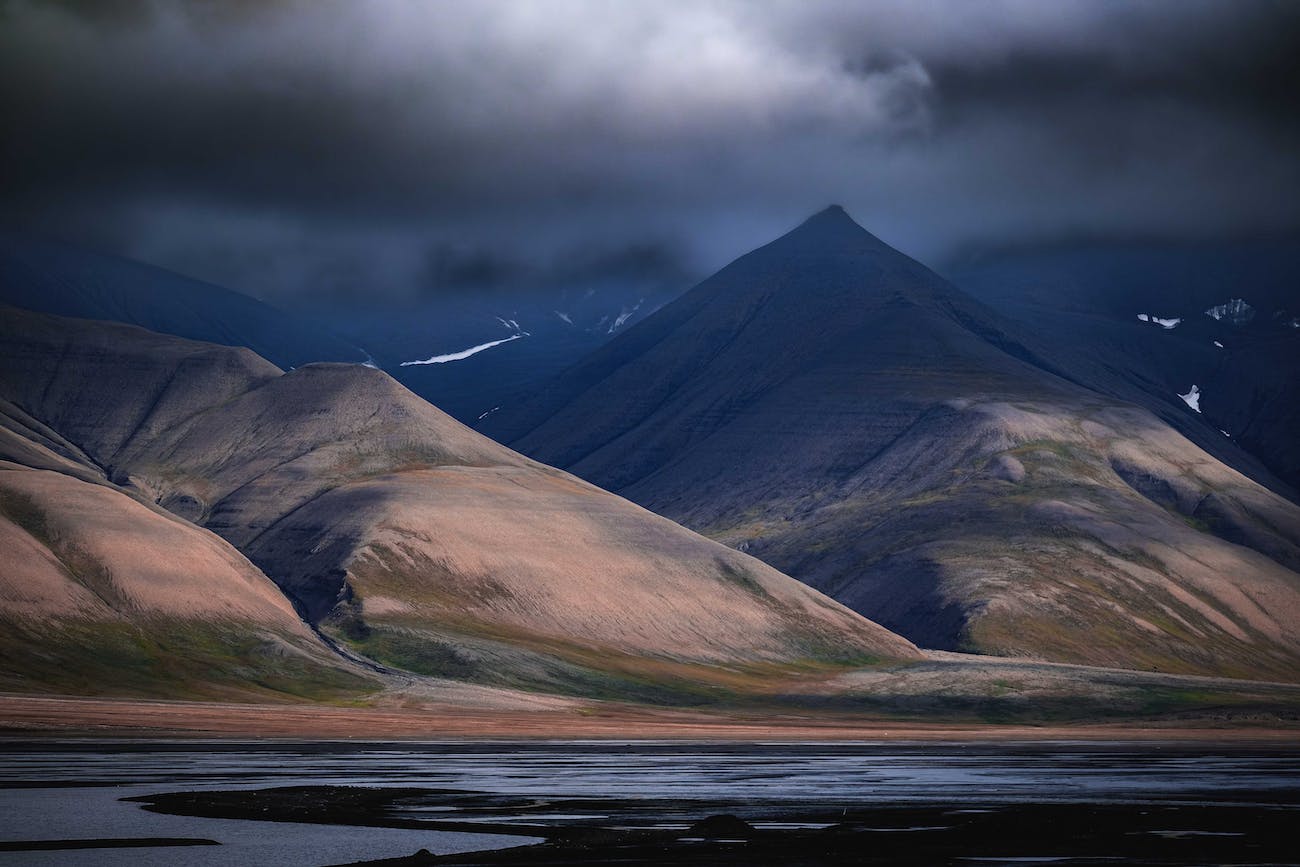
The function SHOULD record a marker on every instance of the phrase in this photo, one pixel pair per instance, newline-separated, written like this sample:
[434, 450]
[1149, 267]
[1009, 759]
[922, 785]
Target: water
[73, 789]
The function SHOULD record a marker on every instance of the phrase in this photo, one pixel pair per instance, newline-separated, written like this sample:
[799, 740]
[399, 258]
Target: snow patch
[488, 413]
[624, 316]
[1166, 324]
[1218, 344]
[1236, 311]
[1192, 398]
[465, 353]
[510, 323]
[1225, 433]
[564, 316]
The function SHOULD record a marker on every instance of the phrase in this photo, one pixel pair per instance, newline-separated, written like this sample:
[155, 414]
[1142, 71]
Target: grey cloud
[318, 146]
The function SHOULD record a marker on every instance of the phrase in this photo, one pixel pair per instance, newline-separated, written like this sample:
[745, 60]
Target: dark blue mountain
[64, 280]
[469, 354]
[1145, 322]
[846, 414]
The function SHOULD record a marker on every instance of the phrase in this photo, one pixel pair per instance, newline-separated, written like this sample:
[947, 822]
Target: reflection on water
[72, 789]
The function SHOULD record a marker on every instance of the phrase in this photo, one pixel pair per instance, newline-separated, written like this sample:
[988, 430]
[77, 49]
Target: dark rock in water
[722, 827]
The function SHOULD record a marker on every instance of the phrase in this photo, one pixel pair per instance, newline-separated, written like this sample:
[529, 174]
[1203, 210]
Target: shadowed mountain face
[846, 415]
[400, 531]
[494, 348]
[515, 340]
[55, 278]
[1146, 322]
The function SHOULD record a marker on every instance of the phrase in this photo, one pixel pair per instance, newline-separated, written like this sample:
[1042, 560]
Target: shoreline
[25, 718]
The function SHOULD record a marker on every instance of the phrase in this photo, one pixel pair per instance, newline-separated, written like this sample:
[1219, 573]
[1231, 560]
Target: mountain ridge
[49, 277]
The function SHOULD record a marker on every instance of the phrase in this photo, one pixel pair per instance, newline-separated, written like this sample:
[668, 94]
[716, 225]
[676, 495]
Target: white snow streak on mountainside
[464, 353]
[1164, 323]
[1192, 398]
[624, 316]
[1236, 311]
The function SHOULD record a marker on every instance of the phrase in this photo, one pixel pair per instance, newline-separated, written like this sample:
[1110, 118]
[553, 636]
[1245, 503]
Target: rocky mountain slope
[1156, 323]
[848, 416]
[411, 538]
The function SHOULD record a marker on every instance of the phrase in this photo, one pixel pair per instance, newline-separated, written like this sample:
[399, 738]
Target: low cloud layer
[343, 148]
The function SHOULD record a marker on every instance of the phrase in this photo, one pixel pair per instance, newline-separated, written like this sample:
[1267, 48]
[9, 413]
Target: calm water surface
[69, 790]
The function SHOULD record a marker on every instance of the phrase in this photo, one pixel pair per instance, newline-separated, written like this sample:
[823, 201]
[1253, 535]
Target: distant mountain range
[1024, 470]
[468, 354]
[64, 280]
[847, 415]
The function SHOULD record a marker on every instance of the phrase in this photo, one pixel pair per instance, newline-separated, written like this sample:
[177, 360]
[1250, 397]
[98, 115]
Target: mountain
[61, 279]
[1147, 322]
[467, 354]
[471, 355]
[848, 416]
[417, 542]
[103, 593]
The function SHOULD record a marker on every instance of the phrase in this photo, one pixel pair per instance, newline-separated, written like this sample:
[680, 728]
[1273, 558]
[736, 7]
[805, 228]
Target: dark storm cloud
[312, 146]
[655, 267]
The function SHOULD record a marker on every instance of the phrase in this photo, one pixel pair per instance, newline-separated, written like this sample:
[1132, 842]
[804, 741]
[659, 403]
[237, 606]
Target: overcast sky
[301, 149]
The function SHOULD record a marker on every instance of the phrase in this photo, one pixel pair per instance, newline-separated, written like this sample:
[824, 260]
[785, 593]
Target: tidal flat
[643, 802]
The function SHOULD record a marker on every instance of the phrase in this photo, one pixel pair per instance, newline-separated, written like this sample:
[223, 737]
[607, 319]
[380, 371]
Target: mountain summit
[837, 409]
[829, 229]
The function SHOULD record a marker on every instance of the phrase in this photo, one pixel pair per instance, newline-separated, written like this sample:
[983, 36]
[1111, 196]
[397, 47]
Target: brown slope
[428, 545]
[103, 594]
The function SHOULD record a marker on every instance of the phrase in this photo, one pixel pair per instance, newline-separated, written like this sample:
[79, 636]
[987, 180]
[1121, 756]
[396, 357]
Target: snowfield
[464, 353]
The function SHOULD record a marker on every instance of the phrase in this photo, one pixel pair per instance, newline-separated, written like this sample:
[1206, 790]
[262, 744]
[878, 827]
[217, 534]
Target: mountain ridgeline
[848, 416]
[49, 277]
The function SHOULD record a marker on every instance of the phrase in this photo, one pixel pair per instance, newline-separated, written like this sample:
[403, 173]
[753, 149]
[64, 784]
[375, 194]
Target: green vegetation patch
[169, 659]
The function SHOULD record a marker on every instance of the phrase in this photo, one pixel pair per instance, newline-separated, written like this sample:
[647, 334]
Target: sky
[399, 150]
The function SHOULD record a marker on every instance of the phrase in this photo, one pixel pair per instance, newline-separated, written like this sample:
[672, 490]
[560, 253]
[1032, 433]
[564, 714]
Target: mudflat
[27, 716]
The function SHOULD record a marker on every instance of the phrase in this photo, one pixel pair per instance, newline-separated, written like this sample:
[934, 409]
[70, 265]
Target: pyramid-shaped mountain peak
[829, 230]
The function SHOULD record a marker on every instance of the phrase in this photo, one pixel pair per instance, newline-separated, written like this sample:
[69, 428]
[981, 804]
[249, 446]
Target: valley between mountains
[824, 481]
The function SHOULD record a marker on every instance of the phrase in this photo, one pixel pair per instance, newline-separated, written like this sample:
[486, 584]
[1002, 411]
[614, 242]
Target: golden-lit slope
[103, 594]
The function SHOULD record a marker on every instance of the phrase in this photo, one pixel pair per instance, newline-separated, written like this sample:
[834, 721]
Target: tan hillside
[420, 542]
[103, 594]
